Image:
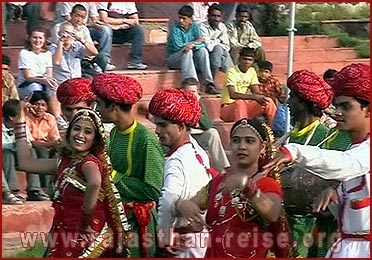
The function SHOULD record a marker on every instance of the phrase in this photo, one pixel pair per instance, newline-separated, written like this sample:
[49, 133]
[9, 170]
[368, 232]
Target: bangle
[21, 124]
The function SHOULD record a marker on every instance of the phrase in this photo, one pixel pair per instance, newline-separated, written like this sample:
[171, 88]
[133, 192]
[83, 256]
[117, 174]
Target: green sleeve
[205, 122]
[147, 188]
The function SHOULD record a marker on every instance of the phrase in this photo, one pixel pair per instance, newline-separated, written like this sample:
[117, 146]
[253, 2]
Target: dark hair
[39, 95]
[215, 6]
[329, 73]
[189, 82]
[123, 107]
[5, 60]
[256, 122]
[78, 7]
[246, 51]
[363, 103]
[266, 65]
[11, 108]
[242, 8]
[28, 44]
[186, 10]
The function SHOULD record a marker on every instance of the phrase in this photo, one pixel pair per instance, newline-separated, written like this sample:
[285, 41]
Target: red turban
[176, 105]
[73, 91]
[353, 81]
[311, 87]
[117, 88]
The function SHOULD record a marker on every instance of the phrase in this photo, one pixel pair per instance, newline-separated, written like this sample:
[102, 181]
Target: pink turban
[176, 105]
[117, 88]
[73, 91]
[311, 87]
[353, 80]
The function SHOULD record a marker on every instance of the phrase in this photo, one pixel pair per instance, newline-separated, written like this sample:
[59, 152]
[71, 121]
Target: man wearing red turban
[308, 97]
[75, 94]
[186, 168]
[352, 198]
[136, 156]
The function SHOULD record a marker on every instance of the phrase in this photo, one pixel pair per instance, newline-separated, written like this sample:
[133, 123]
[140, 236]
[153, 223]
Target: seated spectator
[186, 50]
[78, 13]
[241, 97]
[44, 137]
[9, 88]
[4, 15]
[215, 36]
[35, 71]
[328, 115]
[123, 19]
[10, 186]
[201, 11]
[271, 87]
[68, 53]
[242, 34]
[268, 84]
[207, 136]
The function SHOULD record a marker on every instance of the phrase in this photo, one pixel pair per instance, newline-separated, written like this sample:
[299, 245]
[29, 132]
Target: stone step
[156, 30]
[29, 217]
[154, 55]
[300, 42]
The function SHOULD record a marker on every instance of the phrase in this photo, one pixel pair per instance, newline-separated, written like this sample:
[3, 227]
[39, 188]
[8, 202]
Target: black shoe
[5, 43]
[36, 196]
[212, 89]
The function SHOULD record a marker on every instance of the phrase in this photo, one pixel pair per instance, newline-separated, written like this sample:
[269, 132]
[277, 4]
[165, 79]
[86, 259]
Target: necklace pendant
[221, 186]
[235, 201]
[222, 211]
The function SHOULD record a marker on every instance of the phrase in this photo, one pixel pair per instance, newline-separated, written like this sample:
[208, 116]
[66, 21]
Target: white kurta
[184, 176]
[352, 167]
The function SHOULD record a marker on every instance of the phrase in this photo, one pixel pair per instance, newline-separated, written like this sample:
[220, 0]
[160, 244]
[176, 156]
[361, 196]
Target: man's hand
[325, 198]
[189, 210]
[188, 47]
[261, 99]
[277, 162]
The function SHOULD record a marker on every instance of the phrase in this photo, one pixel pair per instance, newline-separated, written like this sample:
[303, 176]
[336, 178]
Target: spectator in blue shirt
[187, 51]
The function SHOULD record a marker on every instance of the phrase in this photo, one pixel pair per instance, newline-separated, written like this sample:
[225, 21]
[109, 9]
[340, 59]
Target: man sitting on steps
[186, 49]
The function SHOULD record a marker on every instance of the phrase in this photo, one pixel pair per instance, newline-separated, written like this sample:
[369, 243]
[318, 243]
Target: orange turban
[73, 91]
[117, 88]
[311, 87]
[353, 81]
[176, 105]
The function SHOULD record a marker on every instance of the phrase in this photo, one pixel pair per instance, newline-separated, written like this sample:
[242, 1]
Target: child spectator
[10, 187]
[271, 87]
[329, 74]
[44, 137]
[9, 88]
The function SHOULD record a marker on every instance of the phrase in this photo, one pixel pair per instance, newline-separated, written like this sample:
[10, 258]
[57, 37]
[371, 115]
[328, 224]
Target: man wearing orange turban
[136, 156]
[351, 205]
[186, 168]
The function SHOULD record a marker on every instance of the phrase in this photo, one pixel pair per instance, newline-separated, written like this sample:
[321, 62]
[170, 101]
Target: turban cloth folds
[73, 91]
[353, 81]
[117, 88]
[311, 87]
[176, 105]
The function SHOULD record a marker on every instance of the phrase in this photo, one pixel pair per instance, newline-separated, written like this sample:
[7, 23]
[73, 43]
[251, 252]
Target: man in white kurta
[185, 171]
[351, 88]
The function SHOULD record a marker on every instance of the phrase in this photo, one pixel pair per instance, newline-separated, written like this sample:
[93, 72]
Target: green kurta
[338, 140]
[312, 134]
[138, 164]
